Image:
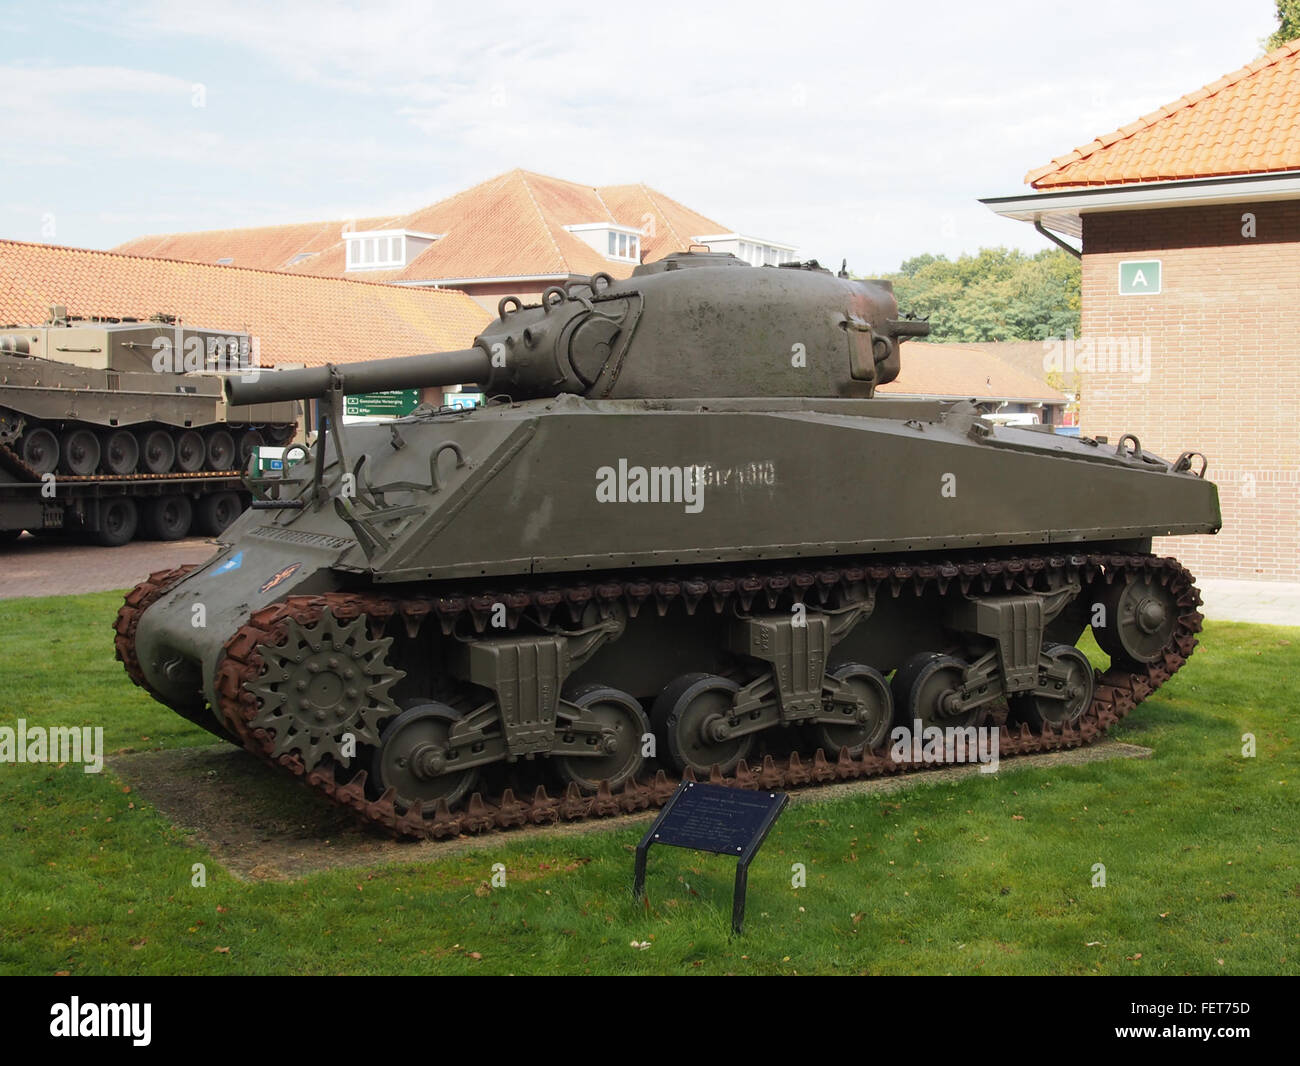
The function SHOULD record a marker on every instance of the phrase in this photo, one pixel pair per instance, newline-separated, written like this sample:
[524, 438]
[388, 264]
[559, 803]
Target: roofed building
[294, 320]
[1189, 220]
[513, 235]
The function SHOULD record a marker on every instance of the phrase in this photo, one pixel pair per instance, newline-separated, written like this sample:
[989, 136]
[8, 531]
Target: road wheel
[1076, 693]
[221, 450]
[686, 714]
[121, 452]
[866, 728]
[158, 450]
[39, 449]
[279, 435]
[620, 756]
[411, 758]
[922, 686]
[249, 442]
[190, 452]
[80, 448]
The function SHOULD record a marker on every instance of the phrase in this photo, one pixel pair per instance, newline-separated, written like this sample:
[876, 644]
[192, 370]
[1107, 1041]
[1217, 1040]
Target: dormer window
[614, 241]
[753, 250]
[385, 249]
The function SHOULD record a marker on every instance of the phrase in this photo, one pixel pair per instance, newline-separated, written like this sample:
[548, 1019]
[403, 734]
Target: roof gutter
[1062, 210]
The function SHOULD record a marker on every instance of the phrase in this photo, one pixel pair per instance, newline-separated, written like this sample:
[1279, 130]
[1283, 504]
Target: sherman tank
[684, 537]
[121, 397]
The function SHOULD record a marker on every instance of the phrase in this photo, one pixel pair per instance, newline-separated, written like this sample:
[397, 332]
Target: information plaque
[725, 821]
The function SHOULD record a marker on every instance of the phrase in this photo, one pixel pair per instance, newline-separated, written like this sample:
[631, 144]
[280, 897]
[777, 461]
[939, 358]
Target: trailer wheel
[118, 520]
[216, 512]
[167, 517]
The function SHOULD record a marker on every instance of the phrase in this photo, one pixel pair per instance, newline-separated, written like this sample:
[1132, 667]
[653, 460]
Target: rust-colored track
[138, 600]
[1118, 690]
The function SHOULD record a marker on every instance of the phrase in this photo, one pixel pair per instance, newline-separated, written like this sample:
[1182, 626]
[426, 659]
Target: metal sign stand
[724, 821]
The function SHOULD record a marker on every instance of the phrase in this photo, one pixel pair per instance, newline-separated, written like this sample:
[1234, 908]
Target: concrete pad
[262, 825]
[1273, 603]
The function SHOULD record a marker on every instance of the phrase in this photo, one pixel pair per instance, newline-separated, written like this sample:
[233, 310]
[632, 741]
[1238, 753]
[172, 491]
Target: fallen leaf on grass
[222, 951]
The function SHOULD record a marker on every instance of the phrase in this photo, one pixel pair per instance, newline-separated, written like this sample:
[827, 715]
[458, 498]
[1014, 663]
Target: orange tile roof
[951, 370]
[260, 247]
[511, 225]
[1247, 122]
[297, 319]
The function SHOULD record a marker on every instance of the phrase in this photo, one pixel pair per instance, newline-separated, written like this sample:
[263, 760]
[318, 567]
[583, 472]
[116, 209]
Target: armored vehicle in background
[130, 420]
[683, 536]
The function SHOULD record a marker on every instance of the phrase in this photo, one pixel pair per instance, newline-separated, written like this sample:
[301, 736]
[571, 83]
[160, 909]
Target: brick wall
[1224, 342]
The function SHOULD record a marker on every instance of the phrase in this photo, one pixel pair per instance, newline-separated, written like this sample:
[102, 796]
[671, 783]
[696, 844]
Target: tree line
[996, 294]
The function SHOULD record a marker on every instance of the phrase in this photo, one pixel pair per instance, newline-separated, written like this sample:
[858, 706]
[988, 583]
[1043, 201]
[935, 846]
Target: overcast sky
[858, 130]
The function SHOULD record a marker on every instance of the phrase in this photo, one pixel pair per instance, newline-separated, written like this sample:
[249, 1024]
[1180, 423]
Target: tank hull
[816, 481]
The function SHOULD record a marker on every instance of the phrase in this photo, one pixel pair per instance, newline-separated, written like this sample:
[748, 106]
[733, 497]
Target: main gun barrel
[471, 365]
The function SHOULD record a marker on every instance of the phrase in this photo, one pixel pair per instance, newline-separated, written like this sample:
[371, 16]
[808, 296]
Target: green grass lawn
[990, 874]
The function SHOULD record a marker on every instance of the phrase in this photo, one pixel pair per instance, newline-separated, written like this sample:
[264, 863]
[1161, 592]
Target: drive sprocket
[327, 682]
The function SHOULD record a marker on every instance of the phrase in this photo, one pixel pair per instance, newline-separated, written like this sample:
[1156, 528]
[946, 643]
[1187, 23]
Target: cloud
[862, 130]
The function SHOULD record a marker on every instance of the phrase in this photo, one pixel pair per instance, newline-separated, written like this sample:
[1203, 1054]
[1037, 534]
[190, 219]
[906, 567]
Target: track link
[1117, 692]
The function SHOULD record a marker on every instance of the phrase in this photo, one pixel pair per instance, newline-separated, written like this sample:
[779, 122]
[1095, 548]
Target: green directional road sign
[382, 404]
[1139, 277]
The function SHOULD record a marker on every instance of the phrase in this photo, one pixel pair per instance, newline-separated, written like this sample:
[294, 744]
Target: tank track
[1118, 690]
[138, 600]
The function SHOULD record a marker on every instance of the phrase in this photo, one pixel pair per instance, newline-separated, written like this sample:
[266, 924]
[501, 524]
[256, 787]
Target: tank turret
[692, 325]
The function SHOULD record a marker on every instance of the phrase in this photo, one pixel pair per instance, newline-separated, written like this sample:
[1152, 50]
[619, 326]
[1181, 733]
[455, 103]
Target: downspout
[1057, 240]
